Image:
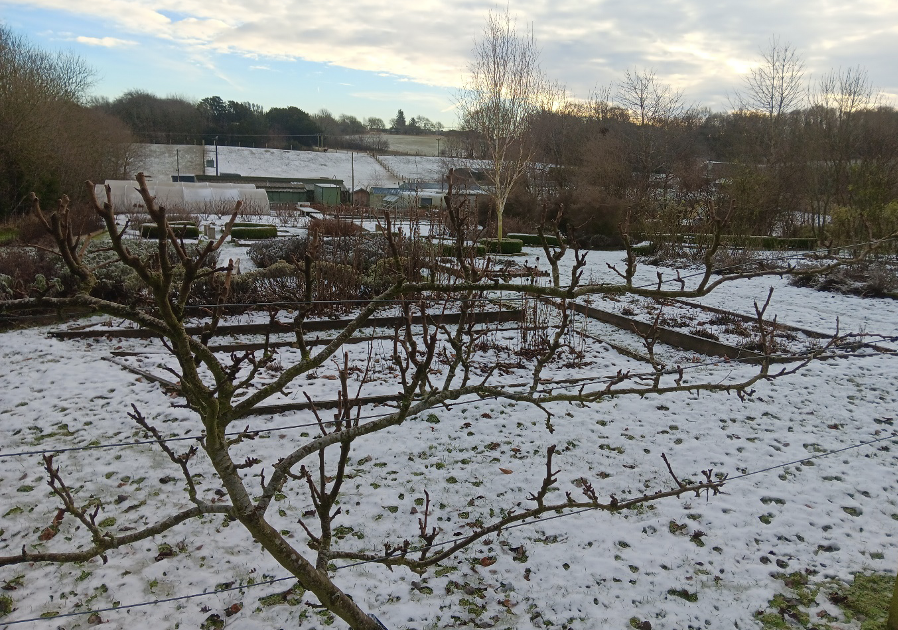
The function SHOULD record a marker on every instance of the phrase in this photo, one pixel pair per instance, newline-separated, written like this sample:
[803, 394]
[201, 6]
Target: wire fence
[421, 548]
[535, 521]
[574, 384]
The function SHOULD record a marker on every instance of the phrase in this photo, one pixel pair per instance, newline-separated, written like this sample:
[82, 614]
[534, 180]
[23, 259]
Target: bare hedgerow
[268, 252]
[870, 279]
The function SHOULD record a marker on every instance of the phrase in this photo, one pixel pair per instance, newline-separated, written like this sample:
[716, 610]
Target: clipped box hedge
[181, 230]
[448, 249]
[505, 246]
[256, 232]
[772, 242]
[533, 240]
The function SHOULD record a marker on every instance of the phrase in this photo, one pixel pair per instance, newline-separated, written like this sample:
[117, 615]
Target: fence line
[421, 548]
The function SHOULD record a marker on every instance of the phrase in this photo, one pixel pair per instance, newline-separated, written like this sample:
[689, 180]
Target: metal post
[216, 156]
[178, 161]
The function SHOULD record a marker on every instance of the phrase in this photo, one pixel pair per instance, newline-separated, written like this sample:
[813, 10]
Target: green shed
[328, 194]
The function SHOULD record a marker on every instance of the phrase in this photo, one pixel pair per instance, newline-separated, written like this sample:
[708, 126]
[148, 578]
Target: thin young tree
[834, 134]
[659, 138]
[505, 90]
[774, 87]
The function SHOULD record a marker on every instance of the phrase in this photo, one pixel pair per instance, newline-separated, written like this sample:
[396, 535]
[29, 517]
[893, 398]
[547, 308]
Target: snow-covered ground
[256, 162]
[160, 161]
[426, 168]
[831, 516]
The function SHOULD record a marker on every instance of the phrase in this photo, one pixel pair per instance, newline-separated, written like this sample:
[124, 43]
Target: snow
[833, 516]
[349, 166]
[256, 162]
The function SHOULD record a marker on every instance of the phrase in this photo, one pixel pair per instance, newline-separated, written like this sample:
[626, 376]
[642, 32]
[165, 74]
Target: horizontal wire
[148, 603]
[522, 524]
[546, 391]
[422, 548]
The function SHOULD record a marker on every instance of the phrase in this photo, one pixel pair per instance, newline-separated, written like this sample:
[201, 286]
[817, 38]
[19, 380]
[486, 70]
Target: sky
[371, 58]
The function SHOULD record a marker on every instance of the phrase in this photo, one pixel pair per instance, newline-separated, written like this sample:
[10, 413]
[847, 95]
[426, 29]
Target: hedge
[248, 224]
[533, 239]
[647, 249]
[256, 232]
[182, 230]
[505, 246]
[448, 249]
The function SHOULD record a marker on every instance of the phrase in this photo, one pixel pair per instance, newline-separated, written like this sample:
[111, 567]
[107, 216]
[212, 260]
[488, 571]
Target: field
[160, 161]
[415, 145]
[698, 561]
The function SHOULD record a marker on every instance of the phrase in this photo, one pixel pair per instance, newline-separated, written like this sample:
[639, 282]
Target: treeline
[415, 126]
[175, 119]
[819, 161]
[50, 141]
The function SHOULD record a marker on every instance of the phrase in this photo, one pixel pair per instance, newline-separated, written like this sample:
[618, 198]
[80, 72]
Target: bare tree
[373, 123]
[776, 86]
[660, 138]
[834, 133]
[434, 363]
[49, 140]
[505, 90]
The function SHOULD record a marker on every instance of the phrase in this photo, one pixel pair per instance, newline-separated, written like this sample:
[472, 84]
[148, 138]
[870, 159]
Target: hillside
[162, 160]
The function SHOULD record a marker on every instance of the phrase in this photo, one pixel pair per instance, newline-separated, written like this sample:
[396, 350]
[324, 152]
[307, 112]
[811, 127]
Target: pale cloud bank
[106, 42]
[703, 49]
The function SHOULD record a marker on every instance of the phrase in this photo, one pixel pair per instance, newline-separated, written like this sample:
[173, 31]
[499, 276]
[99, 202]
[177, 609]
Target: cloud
[702, 48]
[106, 42]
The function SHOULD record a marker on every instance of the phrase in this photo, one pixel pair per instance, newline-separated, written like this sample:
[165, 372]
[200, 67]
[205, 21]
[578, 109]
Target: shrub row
[645, 249]
[256, 232]
[182, 230]
[448, 249]
[505, 246]
[533, 240]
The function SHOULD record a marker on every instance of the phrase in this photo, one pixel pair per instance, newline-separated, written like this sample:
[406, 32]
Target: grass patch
[7, 235]
[682, 593]
[6, 605]
[866, 599]
[864, 603]
[291, 597]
